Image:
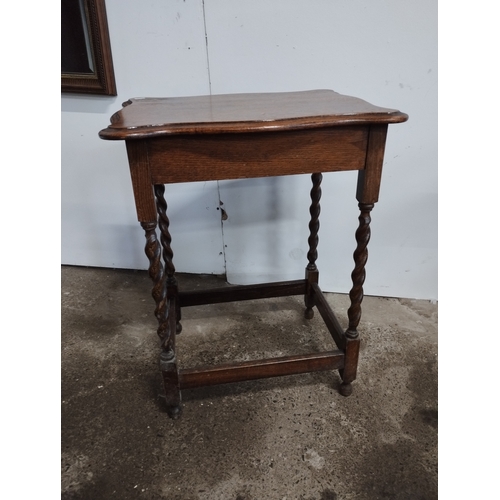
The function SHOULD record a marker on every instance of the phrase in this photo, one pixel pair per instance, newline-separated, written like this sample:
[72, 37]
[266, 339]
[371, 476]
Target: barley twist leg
[168, 254]
[312, 274]
[165, 314]
[156, 273]
[358, 275]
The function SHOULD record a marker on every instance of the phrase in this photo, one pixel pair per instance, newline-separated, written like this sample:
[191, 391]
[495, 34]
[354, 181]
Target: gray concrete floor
[284, 438]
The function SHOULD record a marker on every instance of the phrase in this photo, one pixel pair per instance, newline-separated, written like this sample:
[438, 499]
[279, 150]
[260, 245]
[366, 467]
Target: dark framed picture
[86, 62]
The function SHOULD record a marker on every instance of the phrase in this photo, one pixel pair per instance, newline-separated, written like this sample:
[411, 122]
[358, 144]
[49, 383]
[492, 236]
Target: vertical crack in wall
[222, 230]
[206, 47]
[210, 92]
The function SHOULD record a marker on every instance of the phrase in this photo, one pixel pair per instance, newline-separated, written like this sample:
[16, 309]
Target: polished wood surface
[237, 293]
[202, 158]
[266, 368]
[233, 113]
[188, 139]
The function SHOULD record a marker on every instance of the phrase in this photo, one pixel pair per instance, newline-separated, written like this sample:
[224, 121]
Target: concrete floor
[293, 438]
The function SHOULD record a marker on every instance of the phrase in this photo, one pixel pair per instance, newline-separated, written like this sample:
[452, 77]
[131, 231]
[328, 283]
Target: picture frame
[86, 60]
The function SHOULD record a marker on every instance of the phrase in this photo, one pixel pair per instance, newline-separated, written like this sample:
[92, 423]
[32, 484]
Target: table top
[142, 118]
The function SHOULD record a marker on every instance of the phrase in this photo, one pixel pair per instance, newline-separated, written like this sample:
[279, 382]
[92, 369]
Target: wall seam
[206, 47]
[218, 184]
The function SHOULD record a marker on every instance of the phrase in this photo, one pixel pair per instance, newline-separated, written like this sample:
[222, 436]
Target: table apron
[190, 158]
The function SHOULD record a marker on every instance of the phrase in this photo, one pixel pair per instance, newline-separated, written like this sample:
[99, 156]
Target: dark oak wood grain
[186, 139]
[236, 293]
[192, 158]
[369, 178]
[152, 117]
[252, 370]
[331, 321]
[312, 273]
[141, 181]
[157, 275]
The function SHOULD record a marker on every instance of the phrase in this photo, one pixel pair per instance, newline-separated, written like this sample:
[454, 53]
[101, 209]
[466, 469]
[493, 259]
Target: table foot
[170, 374]
[174, 412]
[309, 313]
[345, 389]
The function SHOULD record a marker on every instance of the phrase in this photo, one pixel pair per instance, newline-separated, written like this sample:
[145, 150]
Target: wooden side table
[238, 136]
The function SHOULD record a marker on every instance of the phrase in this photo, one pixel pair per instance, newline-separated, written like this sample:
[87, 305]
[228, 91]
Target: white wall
[382, 51]
[158, 49]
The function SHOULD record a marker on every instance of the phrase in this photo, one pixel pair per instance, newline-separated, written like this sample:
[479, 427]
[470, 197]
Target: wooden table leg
[166, 315]
[312, 273]
[170, 370]
[168, 254]
[156, 273]
[348, 373]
